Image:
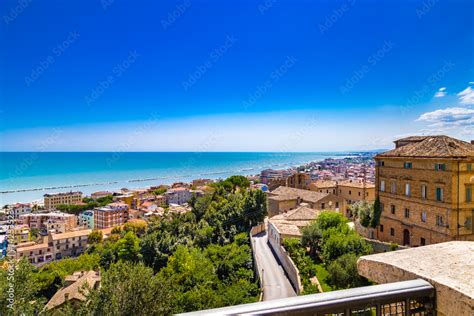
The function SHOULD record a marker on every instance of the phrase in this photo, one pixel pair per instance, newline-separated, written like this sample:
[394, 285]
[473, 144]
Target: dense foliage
[333, 252]
[368, 213]
[89, 204]
[179, 263]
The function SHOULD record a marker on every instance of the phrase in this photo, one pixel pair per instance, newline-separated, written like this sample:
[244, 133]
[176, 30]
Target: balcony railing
[415, 297]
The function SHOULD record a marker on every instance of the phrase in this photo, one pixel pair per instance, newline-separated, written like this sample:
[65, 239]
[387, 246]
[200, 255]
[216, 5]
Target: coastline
[185, 174]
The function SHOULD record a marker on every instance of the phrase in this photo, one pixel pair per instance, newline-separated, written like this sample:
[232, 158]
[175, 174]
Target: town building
[19, 209]
[86, 219]
[54, 246]
[354, 191]
[45, 222]
[74, 290]
[100, 194]
[270, 174]
[19, 234]
[51, 201]
[180, 195]
[289, 224]
[285, 199]
[323, 186]
[425, 186]
[112, 215]
[298, 180]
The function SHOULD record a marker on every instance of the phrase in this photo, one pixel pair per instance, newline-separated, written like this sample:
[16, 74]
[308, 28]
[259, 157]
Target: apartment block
[112, 215]
[57, 221]
[51, 201]
[425, 186]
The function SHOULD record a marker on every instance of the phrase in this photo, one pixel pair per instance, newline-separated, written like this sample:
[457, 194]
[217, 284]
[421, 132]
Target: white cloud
[449, 117]
[441, 92]
[467, 96]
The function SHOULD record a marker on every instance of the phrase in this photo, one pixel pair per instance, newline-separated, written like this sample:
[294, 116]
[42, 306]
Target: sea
[26, 176]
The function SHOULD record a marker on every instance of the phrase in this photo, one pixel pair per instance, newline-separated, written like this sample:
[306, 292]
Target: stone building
[425, 188]
[51, 201]
[298, 180]
[285, 199]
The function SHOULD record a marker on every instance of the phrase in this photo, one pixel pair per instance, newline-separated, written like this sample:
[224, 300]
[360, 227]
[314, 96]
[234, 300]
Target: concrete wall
[288, 265]
[258, 270]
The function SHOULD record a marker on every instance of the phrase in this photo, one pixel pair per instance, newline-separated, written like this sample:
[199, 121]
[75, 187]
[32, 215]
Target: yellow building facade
[425, 186]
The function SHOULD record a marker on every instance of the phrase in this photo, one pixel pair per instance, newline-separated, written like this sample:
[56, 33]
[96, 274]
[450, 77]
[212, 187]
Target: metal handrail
[342, 301]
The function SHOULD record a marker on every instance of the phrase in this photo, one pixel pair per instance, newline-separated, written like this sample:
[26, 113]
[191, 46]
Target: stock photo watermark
[117, 72]
[274, 77]
[265, 6]
[16, 11]
[363, 70]
[56, 52]
[335, 16]
[433, 79]
[28, 161]
[215, 55]
[175, 14]
[425, 8]
[141, 130]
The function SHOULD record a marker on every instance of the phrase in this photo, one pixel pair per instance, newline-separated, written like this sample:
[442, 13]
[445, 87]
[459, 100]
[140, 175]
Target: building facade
[114, 214]
[51, 201]
[57, 221]
[425, 186]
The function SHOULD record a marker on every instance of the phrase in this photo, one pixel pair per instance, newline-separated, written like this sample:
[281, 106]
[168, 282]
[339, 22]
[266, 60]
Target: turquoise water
[27, 176]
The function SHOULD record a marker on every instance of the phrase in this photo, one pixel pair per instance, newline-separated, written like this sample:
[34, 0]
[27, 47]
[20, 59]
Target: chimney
[472, 142]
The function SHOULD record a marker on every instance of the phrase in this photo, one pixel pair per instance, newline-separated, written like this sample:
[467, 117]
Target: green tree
[95, 237]
[343, 272]
[137, 226]
[18, 290]
[328, 219]
[337, 241]
[128, 247]
[311, 238]
[128, 289]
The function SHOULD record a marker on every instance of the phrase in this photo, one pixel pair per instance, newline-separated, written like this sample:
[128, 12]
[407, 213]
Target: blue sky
[262, 75]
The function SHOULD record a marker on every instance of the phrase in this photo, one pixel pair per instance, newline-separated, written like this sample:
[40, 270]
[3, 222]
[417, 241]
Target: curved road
[275, 283]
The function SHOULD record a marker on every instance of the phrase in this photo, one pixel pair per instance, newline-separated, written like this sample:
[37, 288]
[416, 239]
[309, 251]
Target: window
[407, 165]
[392, 209]
[424, 190]
[382, 186]
[359, 193]
[381, 228]
[439, 220]
[407, 189]
[381, 207]
[337, 204]
[422, 241]
[407, 213]
[469, 194]
[394, 188]
[381, 163]
[439, 194]
[469, 167]
[322, 206]
[350, 192]
[440, 166]
[423, 217]
[392, 232]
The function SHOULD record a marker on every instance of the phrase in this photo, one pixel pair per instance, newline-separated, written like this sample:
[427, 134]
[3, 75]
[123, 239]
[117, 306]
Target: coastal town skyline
[167, 81]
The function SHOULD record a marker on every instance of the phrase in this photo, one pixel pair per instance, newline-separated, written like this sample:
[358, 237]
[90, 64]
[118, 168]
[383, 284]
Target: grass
[322, 274]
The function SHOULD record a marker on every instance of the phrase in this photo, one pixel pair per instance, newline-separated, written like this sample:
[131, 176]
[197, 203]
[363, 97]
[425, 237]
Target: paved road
[275, 283]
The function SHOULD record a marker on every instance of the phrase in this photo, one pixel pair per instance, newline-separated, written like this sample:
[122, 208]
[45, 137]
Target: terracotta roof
[301, 213]
[355, 184]
[292, 193]
[77, 233]
[320, 184]
[75, 290]
[431, 147]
